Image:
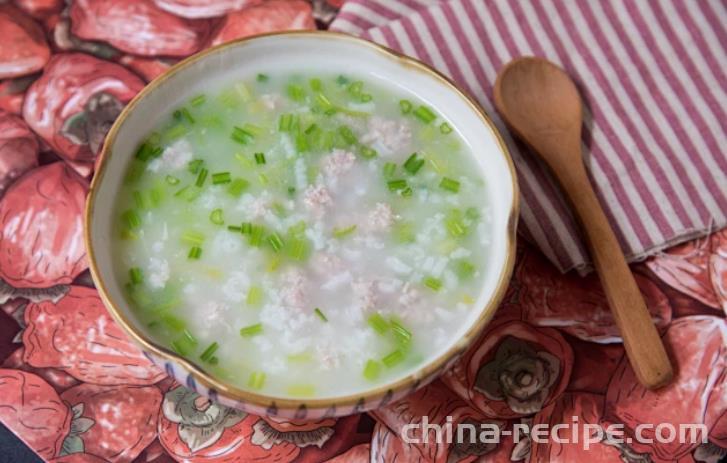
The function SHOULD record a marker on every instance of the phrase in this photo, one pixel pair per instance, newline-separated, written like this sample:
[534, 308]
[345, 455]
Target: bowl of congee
[302, 224]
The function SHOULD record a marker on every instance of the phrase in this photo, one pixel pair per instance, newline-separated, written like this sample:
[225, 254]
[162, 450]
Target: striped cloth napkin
[653, 78]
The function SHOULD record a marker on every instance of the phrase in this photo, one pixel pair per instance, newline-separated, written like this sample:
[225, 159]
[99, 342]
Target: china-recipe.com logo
[574, 432]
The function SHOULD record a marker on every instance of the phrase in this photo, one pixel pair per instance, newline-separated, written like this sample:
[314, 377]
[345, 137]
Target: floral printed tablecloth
[75, 389]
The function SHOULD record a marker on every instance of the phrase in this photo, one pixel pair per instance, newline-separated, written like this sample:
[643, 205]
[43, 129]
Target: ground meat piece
[294, 292]
[316, 198]
[380, 217]
[365, 293]
[338, 162]
[175, 156]
[389, 135]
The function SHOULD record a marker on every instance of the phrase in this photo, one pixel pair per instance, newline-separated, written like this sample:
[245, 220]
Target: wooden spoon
[542, 105]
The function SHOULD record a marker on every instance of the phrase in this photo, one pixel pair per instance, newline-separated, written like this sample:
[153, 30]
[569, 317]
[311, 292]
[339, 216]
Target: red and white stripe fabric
[654, 80]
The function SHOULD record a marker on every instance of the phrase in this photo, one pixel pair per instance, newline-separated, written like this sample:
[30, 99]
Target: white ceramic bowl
[320, 52]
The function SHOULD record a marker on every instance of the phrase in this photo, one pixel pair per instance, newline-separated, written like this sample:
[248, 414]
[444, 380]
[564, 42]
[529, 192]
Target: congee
[301, 235]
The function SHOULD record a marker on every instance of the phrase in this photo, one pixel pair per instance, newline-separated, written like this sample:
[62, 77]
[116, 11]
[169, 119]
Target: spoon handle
[641, 340]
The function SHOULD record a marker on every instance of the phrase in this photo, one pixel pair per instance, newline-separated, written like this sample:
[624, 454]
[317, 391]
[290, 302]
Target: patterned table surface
[75, 389]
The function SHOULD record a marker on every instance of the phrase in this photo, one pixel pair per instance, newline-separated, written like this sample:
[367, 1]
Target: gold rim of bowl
[366, 397]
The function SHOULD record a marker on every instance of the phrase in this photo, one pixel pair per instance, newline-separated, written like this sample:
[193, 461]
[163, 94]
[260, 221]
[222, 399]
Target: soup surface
[303, 236]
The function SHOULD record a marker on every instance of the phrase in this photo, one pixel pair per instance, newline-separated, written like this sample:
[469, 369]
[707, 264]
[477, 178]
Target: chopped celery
[276, 242]
[256, 380]
[220, 178]
[393, 358]
[320, 314]
[135, 275]
[464, 269]
[298, 248]
[194, 253]
[237, 187]
[296, 92]
[131, 219]
[301, 390]
[343, 232]
[432, 283]
[254, 296]
[216, 217]
[413, 164]
[193, 237]
[372, 369]
[252, 330]
[424, 114]
[378, 323]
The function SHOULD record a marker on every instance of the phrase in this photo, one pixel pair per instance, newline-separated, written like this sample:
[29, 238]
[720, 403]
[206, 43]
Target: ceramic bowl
[322, 52]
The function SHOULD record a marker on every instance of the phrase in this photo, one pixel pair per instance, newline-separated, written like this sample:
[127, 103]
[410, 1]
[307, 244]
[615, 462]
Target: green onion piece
[135, 275]
[234, 228]
[355, 88]
[189, 337]
[262, 78]
[256, 235]
[288, 123]
[242, 135]
[175, 131]
[378, 323]
[405, 106]
[301, 390]
[209, 352]
[262, 178]
[298, 248]
[401, 334]
[198, 100]
[341, 80]
[301, 143]
[407, 192]
[343, 232]
[320, 314]
[396, 185]
[323, 101]
[291, 191]
[237, 187]
[413, 164]
[297, 229]
[389, 169]
[449, 184]
[464, 269]
[472, 213]
[276, 242]
[147, 151]
[256, 380]
[424, 114]
[296, 92]
[454, 224]
[220, 178]
[311, 129]
[246, 228]
[445, 128]
[372, 369]
[393, 359]
[131, 218]
[365, 97]
[216, 217]
[195, 165]
[139, 200]
[190, 193]
[404, 232]
[252, 330]
[347, 135]
[316, 84]
[193, 237]
[201, 177]
[367, 153]
[173, 323]
[134, 172]
[433, 283]
[195, 253]
[180, 347]
[254, 296]
[259, 158]
[302, 357]
[156, 195]
[187, 115]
